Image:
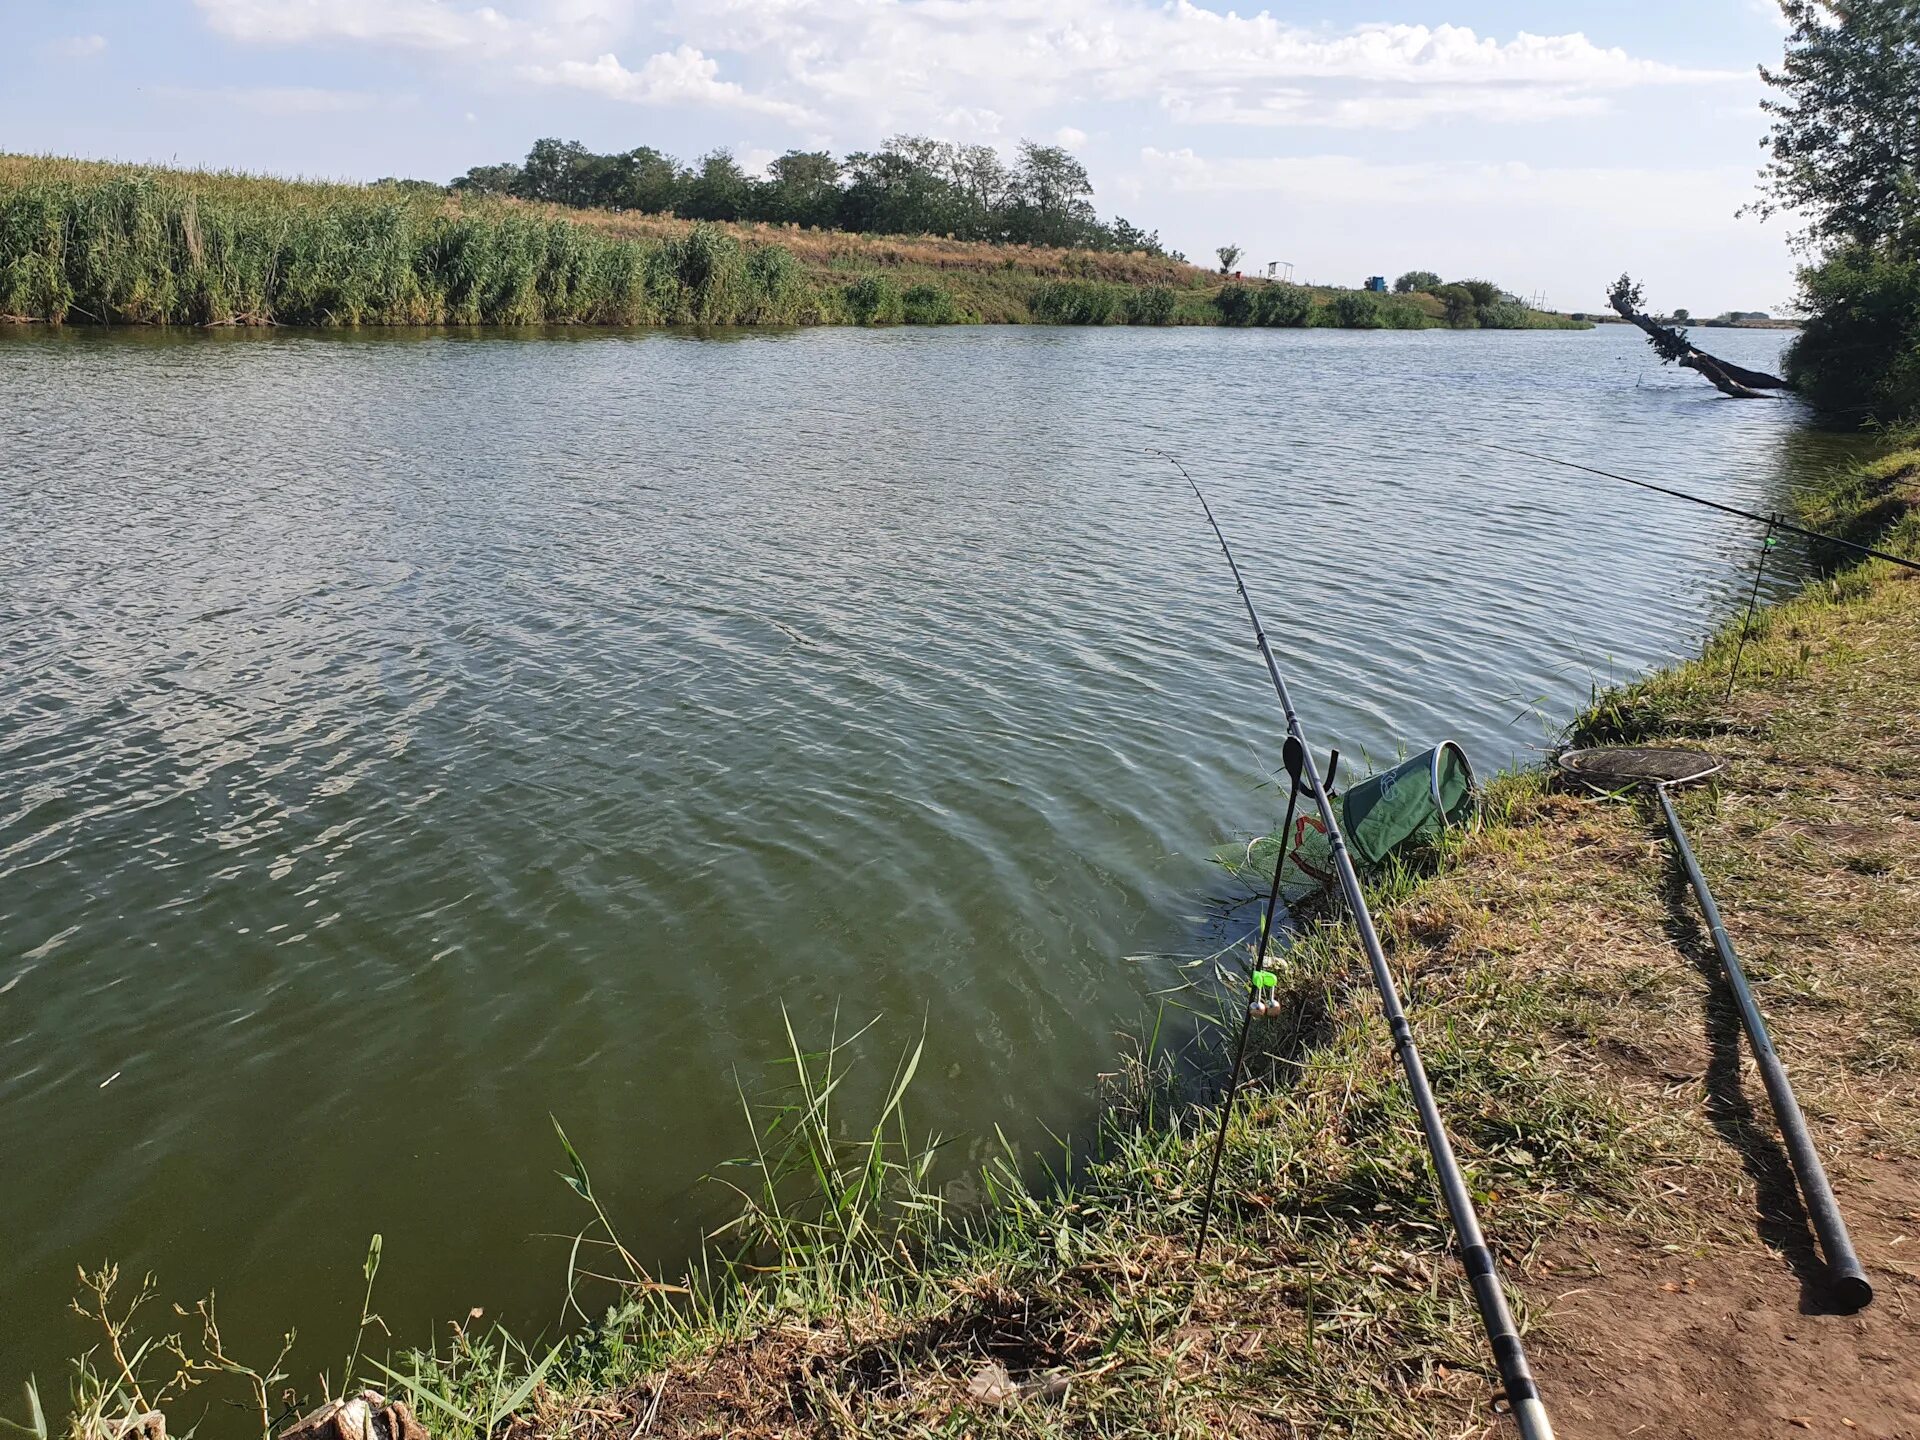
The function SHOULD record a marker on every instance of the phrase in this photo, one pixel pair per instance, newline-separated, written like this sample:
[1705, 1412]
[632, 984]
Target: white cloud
[409, 24]
[888, 64]
[76, 47]
[1070, 136]
[681, 76]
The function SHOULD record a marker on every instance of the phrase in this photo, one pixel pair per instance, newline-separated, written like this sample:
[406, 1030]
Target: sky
[1546, 146]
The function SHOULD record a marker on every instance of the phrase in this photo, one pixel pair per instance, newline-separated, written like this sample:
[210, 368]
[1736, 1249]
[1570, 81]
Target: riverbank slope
[84, 242]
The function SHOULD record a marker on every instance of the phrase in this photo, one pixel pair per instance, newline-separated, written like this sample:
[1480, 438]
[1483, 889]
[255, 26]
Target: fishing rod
[1482, 1274]
[1258, 984]
[1848, 1280]
[1771, 520]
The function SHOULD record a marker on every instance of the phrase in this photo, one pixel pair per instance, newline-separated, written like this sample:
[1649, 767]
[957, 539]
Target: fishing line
[1773, 521]
[1482, 1273]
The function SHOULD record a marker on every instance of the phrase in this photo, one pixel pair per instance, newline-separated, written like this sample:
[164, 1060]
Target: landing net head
[1608, 768]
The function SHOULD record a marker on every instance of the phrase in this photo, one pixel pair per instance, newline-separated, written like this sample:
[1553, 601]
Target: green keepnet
[1417, 799]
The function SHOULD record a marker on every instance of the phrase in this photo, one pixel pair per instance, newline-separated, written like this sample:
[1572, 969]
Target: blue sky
[1545, 146]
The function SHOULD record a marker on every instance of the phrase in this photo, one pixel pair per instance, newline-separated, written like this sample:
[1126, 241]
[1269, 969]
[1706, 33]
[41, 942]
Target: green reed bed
[138, 249]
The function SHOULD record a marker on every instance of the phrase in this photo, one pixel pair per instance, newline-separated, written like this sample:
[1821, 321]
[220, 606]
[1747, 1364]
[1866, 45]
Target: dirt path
[1704, 1312]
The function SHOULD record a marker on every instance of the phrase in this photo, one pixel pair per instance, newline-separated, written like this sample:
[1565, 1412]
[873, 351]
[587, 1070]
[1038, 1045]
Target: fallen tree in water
[1674, 348]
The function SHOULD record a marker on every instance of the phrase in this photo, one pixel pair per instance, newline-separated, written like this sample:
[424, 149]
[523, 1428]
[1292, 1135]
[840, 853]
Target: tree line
[911, 185]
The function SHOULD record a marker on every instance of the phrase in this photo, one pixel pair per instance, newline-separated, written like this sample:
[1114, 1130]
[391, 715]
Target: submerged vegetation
[104, 244]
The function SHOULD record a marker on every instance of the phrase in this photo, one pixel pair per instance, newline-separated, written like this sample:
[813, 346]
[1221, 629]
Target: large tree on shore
[1843, 151]
[1843, 157]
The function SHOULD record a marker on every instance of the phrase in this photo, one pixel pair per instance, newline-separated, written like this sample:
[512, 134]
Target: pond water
[406, 738]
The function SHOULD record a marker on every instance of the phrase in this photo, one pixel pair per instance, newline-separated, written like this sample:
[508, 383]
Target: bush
[1355, 310]
[1148, 305]
[1402, 314]
[1484, 292]
[1858, 355]
[929, 304]
[1074, 302]
[1503, 315]
[1282, 305]
[872, 300]
[1235, 304]
[1416, 280]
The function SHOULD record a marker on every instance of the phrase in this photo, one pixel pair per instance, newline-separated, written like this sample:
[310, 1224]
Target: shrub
[1859, 353]
[1282, 305]
[872, 300]
[1355, 310]
[1484, 292]
[929, 304]
[1415, 280]
[1235, 304]
[1148, 305]
[1074, 302]
[1401, 314]
[1504, 315]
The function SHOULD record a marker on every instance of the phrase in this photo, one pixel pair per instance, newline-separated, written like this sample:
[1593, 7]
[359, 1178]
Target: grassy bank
[82, 242]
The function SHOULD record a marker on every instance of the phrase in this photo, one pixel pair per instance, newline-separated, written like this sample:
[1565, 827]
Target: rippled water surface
[403, 739]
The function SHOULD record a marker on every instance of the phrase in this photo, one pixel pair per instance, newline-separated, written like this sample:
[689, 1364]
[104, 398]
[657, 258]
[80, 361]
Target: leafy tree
[1844, 146]
[556, 172]
[490, 180]
[1052, 198]
[1416, 280]
[1463, 311]
[1484, 292]
[646, 180]
[1125, 235]
[1229, 256]
[802, 188]
[1682, 315]
[719, 190]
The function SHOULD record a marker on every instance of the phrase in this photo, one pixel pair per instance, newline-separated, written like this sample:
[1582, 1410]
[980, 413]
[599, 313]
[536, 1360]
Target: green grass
[82, 242]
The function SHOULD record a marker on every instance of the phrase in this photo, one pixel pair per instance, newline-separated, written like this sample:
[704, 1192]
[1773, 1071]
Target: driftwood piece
[1728, 378]
[366, 1416]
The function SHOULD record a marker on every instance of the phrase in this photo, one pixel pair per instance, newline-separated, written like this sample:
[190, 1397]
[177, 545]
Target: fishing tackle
[1610, 769]
[1523, 1395]
[1262, 988]
[1772, 522]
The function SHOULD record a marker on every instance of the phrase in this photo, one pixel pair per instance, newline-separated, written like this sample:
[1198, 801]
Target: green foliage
[1416, 280]
[1504, 314]
[872, 300]
[929, 304]
[1463, 313]
[1229, 256]
[1844, 147]
[1399, 313]
[1355, 310]
[912, 185]
[1484, 292]
[1280, 305]
[1235, 303]
[1148, 305]
[1076, 302]
[1859, 353]
[139, 248]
